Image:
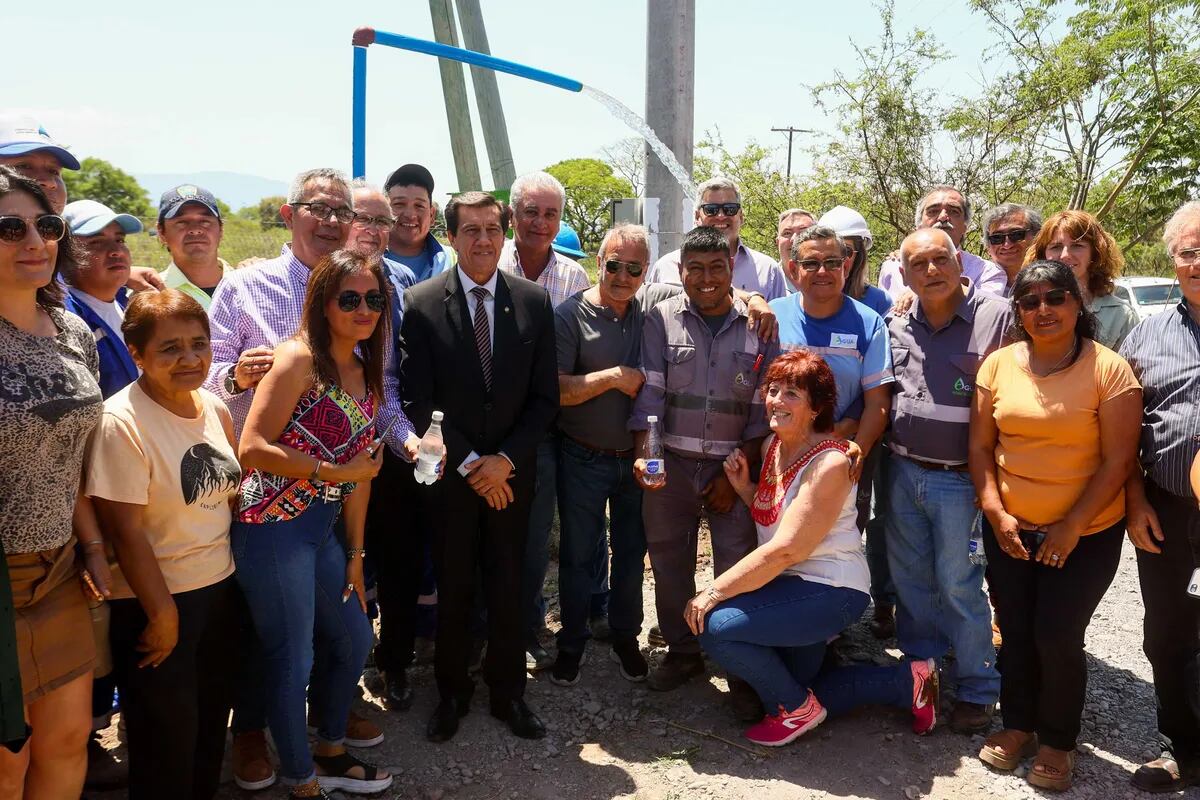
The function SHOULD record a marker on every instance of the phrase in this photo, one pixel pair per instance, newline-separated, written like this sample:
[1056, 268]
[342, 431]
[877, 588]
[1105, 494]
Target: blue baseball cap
[89, 217]
[21, 135]
[567, 242]
[173, 200]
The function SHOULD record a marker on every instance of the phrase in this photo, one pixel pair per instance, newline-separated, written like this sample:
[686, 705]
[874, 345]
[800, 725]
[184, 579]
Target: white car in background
[1148, 295]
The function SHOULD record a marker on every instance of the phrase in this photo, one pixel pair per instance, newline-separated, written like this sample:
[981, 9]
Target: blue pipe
[359, 121]
[477, 59]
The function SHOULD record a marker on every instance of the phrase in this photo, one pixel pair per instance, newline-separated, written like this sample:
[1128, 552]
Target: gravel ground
[612, 739]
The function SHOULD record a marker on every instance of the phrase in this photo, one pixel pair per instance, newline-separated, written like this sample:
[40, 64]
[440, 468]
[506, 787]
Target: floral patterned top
[49, 402]
[330, 425]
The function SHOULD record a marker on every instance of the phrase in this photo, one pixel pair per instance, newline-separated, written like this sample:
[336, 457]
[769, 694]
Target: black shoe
[883, 622]
[745, 703]
[565, 671]
[1165, 774]
[397, 694]
[654, 637]
[536, 658]
[521, 721]
[104, 773]
[444, 723]
[675, 670]
[633, 664]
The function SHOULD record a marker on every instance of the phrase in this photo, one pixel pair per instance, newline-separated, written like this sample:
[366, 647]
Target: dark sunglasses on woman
[612, 267]
[1032, 301]
[350, 300]
[50, 227]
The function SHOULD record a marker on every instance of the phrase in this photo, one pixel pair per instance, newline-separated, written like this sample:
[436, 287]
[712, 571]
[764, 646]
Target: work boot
[971, 718]
[674, 671]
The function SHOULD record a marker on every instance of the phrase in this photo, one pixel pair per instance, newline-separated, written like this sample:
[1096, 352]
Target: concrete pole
[670, 108]
[454, 90]
[487, 97]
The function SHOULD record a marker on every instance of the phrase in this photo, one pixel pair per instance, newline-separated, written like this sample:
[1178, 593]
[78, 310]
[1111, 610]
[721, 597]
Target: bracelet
[95, 543]
[716, 596]
[356, 552]
[316, 470]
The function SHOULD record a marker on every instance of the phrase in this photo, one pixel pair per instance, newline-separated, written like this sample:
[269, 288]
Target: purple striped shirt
[261, 306]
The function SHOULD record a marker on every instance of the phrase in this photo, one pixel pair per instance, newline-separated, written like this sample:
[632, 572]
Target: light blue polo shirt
[854, 342]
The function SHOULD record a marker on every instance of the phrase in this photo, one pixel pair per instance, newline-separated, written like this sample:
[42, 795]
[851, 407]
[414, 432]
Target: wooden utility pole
[790, 131]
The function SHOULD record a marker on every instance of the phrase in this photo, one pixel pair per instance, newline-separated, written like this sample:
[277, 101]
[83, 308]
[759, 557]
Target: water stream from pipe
[641, 128]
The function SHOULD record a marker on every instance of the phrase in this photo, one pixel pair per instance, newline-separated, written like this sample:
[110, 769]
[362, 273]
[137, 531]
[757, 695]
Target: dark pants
[175, 714]
[1044, 613]
[1172, 624]
[397, 545]
[872, 518]
[537, 542]
[472, 538]
[588, 482]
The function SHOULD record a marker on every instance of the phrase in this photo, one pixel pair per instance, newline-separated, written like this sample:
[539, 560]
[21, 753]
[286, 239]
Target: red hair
[804, 370]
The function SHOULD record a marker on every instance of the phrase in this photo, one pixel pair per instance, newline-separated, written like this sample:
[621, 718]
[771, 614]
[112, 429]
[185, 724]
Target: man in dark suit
[478, 345]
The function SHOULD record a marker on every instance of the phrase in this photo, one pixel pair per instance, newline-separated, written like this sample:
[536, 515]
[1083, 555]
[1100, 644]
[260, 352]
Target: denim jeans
[940, 598]
[537, 545]
[774, 638]
[589, 481]
[293, 574]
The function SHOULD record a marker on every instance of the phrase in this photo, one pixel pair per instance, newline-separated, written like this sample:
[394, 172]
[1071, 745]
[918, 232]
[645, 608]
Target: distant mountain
[233, 188]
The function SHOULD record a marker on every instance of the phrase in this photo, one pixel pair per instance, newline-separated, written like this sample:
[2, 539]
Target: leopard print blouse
[49, 402]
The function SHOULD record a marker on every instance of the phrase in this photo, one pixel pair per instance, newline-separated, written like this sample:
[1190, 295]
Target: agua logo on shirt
[962, 388]
[846, 340]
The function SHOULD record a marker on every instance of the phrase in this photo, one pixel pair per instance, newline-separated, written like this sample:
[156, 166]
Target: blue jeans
[774, 638]
[587, 482]
[292, 574]
[939, 592]
[537, 545]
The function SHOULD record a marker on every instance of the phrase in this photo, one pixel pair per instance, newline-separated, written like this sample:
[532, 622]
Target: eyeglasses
[1012, 237]
[374, 222]
[324, 212]
[1186, 258]
[1032, 302]
[812, 264]
[713, 209]
[612, 267]
[350, 300]
[50, 227]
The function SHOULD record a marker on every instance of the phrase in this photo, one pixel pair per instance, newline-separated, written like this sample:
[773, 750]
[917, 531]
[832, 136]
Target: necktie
[483, 339]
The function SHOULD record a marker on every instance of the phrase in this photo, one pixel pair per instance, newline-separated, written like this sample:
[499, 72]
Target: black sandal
[336, 775]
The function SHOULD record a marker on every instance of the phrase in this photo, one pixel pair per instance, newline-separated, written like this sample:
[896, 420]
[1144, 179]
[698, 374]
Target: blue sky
[264, 88]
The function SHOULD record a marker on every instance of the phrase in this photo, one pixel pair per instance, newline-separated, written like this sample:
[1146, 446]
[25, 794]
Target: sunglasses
[1032, 302]
[813, 265]
[350, 300]
[612, 267]
[1012, 237]
[713, 209]
[50, 227]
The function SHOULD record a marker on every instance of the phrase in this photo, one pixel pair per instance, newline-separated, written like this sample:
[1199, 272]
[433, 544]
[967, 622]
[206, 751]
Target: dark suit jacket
[440, 369]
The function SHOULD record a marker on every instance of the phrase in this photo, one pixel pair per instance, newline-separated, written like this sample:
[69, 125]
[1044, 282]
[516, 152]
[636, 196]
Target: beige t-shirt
[184, 471]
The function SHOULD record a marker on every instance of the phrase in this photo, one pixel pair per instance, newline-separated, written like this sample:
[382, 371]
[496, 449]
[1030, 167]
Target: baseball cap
[410, 175]
[89, 217]
[174, 199]
[20, 135]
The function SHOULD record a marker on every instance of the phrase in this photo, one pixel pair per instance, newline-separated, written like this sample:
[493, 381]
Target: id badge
[1194, 583]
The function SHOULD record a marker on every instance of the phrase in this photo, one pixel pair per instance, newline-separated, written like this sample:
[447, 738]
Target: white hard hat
[847, 222]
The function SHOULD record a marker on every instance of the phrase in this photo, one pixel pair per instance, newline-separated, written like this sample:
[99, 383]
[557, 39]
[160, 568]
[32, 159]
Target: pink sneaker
[925, 695]
[786, 726]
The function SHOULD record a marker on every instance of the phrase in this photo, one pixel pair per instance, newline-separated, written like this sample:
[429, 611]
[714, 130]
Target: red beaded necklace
[773, 488]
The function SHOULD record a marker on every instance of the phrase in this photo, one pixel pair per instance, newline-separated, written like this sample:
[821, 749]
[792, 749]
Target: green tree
[591, 187]
[266, 213]
[99, 180]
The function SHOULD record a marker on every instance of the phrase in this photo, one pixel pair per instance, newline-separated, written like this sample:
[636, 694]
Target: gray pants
[672, 518]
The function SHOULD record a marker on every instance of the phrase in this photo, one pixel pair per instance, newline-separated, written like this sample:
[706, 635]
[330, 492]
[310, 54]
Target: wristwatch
[231, 384]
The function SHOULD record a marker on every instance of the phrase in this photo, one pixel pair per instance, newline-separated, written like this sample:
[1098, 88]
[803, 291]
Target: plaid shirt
[261, 306]
[562, 277]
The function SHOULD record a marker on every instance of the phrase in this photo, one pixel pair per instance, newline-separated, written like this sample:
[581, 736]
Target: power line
[790, 131]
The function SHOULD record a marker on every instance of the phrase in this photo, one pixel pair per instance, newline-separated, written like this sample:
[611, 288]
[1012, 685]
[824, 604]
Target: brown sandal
[1004, 750]
[1049, 776]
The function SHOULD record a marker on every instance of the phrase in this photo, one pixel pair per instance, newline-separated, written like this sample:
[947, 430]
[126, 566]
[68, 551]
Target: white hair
[943, 187]
[950, 246]
[363, 185]
[1186, 216]
[533, 182]
[714, 185]
[796, 212]
[324, 174]
[626, 232]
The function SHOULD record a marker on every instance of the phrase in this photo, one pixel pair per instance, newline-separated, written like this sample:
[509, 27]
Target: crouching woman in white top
[768, 617]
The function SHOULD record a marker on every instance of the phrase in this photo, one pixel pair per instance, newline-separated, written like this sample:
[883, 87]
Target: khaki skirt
[54, 628]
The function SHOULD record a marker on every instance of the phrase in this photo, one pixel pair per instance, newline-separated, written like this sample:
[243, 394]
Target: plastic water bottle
[655, 473]
[975, 547]
[430, 452]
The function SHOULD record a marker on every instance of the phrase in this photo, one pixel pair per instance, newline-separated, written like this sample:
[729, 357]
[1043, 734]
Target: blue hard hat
[567, 242]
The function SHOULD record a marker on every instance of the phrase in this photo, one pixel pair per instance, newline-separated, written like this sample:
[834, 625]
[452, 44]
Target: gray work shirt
[935, 375]
[703, 389]
[591, 338]
[1164, 352]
